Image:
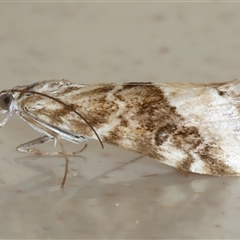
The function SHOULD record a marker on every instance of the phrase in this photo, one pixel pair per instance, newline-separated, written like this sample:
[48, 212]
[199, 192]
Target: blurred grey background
[111, 193]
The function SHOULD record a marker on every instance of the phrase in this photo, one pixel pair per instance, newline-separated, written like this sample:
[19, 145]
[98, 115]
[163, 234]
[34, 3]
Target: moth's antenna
[67, 106]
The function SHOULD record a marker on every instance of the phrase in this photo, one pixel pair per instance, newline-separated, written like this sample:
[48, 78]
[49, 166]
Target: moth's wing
[210, 137]
[186, 131]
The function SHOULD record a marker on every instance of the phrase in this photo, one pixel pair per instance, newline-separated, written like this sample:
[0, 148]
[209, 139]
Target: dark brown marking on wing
[113, 137]
[214, 166]
[98, 90]
[134, 84]
[187, 138]
[221, 93]
[123, 121]
[156, 109]
[186, 164]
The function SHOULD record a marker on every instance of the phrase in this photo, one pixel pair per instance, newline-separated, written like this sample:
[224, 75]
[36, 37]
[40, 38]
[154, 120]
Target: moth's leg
[27, 147]
[66, 165]
[4, 121]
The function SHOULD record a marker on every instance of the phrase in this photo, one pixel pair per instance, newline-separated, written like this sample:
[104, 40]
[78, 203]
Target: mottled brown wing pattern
[193, 127]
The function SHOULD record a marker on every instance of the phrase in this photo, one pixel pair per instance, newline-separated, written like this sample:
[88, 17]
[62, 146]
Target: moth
[194, 127]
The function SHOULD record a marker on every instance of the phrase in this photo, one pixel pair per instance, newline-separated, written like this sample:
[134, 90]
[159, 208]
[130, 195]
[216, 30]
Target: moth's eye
[5, 101]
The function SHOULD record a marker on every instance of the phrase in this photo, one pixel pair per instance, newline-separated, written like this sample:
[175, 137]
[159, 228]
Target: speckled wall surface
[113, 193]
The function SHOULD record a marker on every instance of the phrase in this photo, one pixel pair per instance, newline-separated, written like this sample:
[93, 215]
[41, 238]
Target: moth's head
[6, 101]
